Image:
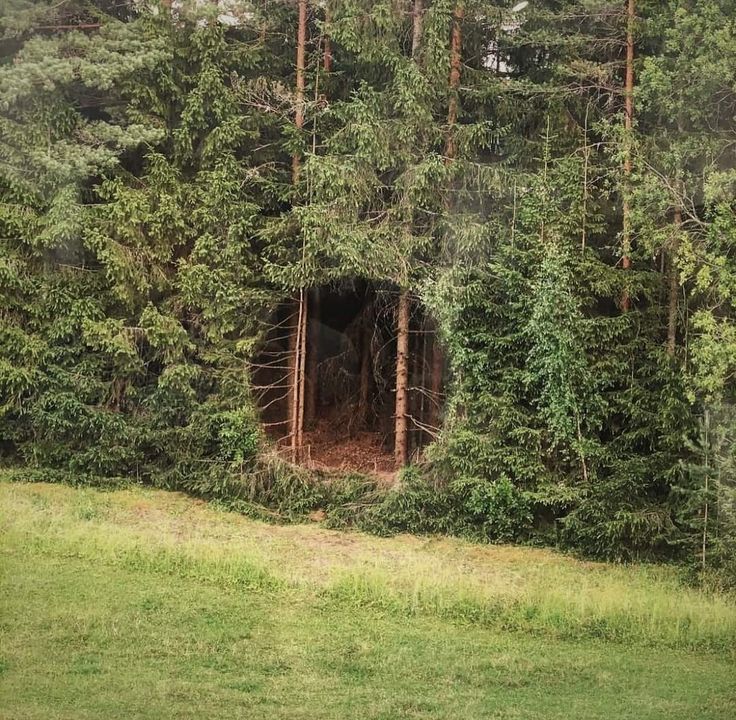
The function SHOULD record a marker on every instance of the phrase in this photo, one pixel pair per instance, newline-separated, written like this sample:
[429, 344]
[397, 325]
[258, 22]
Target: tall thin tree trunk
[628, 128]
[297, 357]
[415, 389]
[401, 447]
[310, 408]
[456, 44]
[423, 383]
[401, 441]
[296, 404]
[301, 49]
[417, 18]
[303, 304]
[293, 364]
[313, 334]
[674, 286]
[327, 53]
[297, 382]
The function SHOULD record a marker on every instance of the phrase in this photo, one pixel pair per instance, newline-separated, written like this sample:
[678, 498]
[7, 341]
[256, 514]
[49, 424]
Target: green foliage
[150, 223]
[469, 507]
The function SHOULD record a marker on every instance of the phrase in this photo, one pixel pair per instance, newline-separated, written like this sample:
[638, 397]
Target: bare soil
[326, 448]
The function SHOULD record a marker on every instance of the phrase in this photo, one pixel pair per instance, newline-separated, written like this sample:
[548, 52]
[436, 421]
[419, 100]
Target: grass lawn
[145, 604]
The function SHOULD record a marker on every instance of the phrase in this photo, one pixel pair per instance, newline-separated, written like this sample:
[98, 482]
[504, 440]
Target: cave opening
[350, 377]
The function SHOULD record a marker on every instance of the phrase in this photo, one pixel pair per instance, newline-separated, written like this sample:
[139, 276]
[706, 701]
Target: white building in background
[509, 21]
[232, 12]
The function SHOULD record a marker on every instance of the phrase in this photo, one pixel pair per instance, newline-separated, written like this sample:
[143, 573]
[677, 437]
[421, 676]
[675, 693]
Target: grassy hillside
[145, 604]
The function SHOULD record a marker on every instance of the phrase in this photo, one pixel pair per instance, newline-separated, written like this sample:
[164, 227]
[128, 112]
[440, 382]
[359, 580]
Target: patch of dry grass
[528, 589]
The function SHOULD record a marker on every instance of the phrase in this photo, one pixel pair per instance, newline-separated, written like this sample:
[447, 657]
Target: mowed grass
[145, 604]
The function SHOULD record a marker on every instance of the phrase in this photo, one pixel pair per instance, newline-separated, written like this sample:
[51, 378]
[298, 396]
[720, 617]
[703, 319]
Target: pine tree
[170, 182]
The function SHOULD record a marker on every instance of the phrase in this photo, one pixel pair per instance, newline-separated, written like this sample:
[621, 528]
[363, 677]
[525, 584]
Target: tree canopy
[552, 183]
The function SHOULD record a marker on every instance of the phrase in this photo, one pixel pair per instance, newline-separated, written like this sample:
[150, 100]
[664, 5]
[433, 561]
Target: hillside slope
[141, 603]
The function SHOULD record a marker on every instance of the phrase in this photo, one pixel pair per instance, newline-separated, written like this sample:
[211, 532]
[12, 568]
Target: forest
[448, 267]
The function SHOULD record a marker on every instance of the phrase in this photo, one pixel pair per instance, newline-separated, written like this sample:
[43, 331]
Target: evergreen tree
[552, 183]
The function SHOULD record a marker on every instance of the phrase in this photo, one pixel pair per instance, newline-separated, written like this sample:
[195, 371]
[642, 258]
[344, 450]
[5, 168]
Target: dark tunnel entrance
[327, 375]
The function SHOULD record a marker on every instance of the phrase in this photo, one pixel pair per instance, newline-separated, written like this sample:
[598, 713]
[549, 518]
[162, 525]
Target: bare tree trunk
[301, 44]
[297, 357]
[297, 380]
[301, 387]
[628, 127]
[415, 375]
[674, 287]
[327, 54]
[401, 447]
[401, 440]
[298, 343]
[423, 383]
[311, 348]
[417, 18]
[310, 408]
[456, 44]
[293, 364]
